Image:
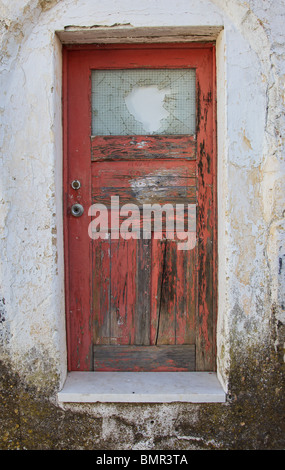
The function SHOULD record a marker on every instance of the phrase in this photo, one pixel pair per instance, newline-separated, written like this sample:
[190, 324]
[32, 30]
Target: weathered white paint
[251, 101]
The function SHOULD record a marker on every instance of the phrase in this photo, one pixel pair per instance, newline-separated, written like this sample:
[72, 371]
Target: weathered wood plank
[206, 220]
[78, 262]
[166, 313]
[136, 223]
[143, 289]
[101, 277]
[165, 147]
[174, 288]
[74, 34]
[178, 195]
[143, 169]
[186, 294]
[158, 260]
[123, 290]
[144, 358]
[144, 183]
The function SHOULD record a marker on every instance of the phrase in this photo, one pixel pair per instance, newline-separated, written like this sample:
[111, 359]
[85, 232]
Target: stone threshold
[141, 387]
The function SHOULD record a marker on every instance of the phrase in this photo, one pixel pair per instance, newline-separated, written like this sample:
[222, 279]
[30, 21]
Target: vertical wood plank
[77, 242]
[164, 276]
[206, 159]
[118, 297]
[143, 293]
[101, 277]
[123, 295]
[157, 260]
[186, 288]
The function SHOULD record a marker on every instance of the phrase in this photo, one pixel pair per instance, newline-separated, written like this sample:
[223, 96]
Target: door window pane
[143, 102]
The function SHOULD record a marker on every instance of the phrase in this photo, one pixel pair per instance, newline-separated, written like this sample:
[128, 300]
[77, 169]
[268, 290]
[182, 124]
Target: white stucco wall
[251, 129]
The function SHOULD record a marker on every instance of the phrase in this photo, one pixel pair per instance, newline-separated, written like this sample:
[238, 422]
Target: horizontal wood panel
[128, 34]
[177, 195]
[147, 180]
[144, 358]
[144, 183]
[120, 170]
[164, 147]
[138, 228]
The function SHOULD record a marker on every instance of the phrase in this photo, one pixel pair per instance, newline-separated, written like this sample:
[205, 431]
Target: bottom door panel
[144, 358]
[144, 299]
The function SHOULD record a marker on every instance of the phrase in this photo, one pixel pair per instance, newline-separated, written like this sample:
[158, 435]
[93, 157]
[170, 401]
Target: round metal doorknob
[77, 210]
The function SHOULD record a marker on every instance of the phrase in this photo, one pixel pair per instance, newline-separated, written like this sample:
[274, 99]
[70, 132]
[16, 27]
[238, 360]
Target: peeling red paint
[126, 277]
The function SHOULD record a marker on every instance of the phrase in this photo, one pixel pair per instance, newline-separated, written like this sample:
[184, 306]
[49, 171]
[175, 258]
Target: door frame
[77, 65]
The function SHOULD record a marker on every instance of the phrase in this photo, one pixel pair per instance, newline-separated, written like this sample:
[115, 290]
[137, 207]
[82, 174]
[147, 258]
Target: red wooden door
[139, 303]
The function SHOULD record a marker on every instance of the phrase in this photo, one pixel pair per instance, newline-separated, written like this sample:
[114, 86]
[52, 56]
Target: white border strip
[142, 387]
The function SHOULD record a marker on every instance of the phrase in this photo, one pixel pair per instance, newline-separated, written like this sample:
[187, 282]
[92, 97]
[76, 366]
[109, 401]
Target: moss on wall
[252, 417]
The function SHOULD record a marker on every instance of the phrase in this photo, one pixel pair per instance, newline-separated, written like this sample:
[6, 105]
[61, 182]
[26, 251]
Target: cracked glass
[144, 102]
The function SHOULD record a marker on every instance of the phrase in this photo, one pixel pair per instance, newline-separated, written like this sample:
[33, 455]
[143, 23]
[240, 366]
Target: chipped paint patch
[153, 187]
[247, 142]
[47, 4]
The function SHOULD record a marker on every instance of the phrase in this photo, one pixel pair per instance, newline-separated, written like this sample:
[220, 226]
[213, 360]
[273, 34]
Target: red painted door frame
[78, 61]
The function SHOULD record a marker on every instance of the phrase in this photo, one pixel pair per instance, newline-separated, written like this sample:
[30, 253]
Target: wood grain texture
[207, 218]
[77, 243]
[142, 315]
[113, 148]
[144, 358]
[184, 284]
[146, 182]
[128, 34]
[173, 294]
[151, 301]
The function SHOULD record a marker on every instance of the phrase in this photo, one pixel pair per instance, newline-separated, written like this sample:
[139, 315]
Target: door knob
[77, 210]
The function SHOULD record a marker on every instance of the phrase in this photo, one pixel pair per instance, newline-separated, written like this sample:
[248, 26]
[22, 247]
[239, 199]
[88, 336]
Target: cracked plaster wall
[251, 129]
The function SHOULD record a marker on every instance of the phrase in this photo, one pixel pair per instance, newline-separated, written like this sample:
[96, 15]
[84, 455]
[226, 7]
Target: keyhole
[75, 184]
